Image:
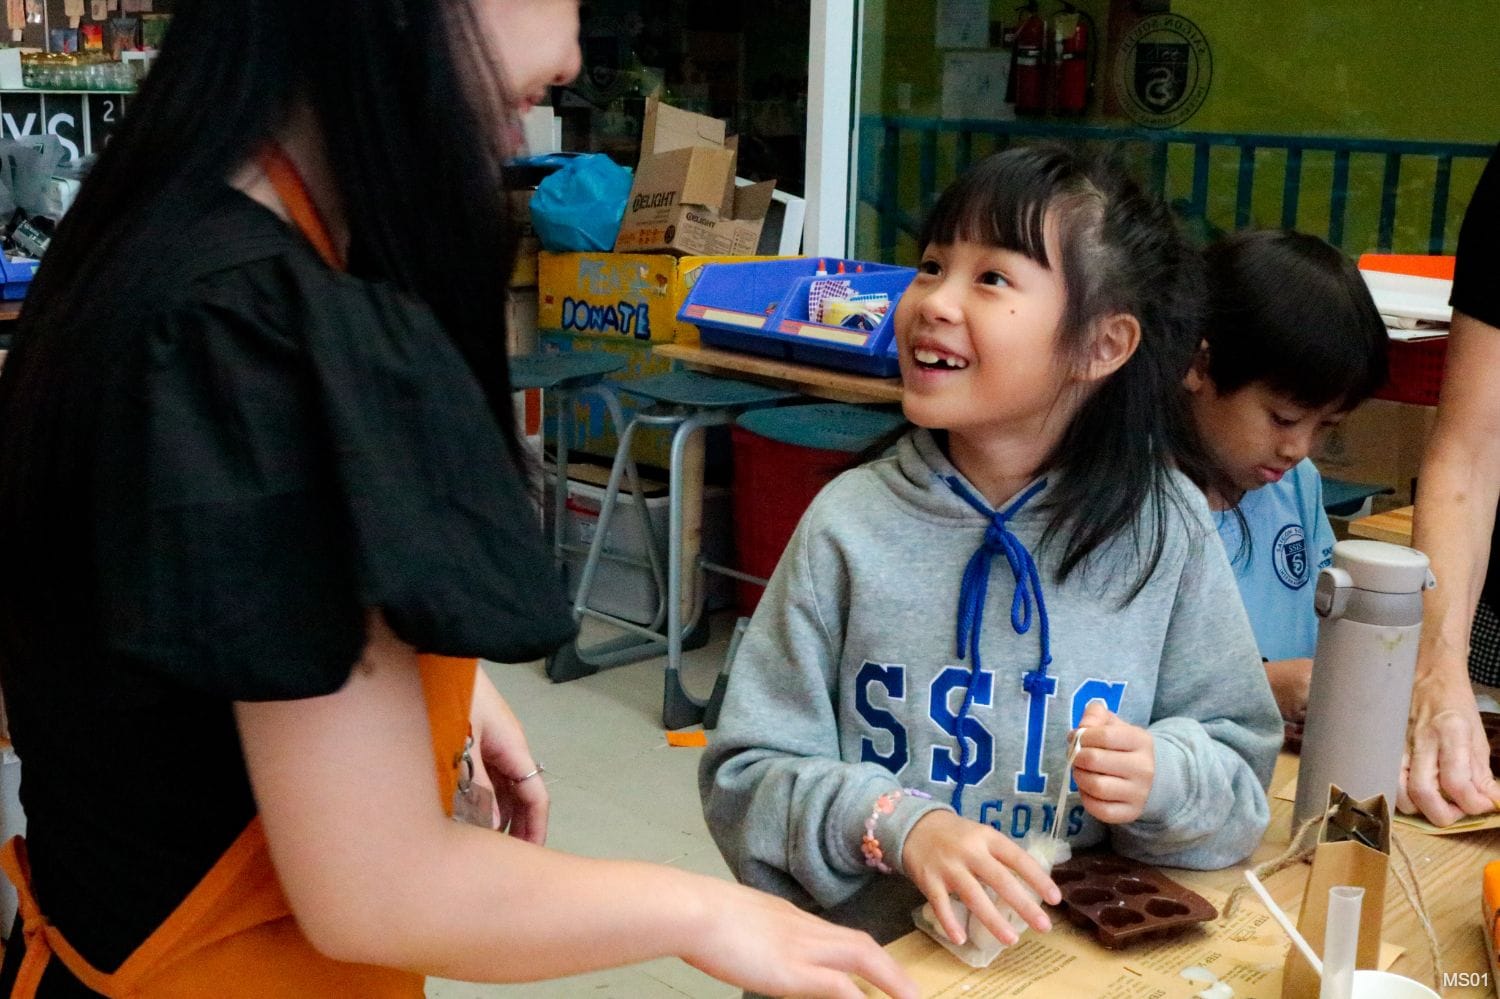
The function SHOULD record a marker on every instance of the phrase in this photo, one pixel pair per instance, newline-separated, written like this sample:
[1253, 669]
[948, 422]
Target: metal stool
[567, 375]
[826, 426]
[821, 427]
[688, 402]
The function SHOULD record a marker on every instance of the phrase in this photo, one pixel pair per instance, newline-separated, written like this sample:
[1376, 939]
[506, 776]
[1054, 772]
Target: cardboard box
[524, 273]
[634, 296]
[1381, 443]
[527, 244]
[695, 230]
[667, 128]
[684, 199]
[520, 321]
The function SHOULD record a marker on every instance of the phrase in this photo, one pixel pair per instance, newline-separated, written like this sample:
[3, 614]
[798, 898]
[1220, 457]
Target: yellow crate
[634, 296]
[593, 433]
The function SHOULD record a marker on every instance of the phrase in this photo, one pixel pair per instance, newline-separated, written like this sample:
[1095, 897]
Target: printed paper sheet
[1246, 951]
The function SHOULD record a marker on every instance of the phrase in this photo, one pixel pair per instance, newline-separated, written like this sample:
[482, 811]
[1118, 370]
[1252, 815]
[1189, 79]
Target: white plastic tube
[1341, 941]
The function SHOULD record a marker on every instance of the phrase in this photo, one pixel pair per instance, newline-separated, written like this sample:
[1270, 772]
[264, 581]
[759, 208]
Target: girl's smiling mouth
[937, 359]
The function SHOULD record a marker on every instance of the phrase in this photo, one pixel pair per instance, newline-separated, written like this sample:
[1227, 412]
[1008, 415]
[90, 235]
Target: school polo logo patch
[1289, 557]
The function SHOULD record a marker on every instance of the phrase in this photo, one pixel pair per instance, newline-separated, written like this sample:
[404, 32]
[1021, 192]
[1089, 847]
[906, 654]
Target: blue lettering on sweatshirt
[945, 766]
[1093, 689]
[1016, 819]
[886, 728]
[891, 679]
[1031, 780]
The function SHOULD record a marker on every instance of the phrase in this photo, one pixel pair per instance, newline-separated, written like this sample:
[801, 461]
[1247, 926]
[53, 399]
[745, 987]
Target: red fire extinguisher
[1073, 62]
[1029, 62]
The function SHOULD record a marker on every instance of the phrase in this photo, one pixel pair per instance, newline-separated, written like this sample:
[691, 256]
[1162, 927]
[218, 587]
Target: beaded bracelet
[869, 844]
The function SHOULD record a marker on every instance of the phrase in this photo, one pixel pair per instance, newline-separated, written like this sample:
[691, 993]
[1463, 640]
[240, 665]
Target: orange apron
[234, 934]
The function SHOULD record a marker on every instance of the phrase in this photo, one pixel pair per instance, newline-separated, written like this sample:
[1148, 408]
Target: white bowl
[1385, 985]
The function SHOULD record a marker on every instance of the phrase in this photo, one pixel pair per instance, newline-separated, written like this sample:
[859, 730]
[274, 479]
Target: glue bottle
[1369, 603]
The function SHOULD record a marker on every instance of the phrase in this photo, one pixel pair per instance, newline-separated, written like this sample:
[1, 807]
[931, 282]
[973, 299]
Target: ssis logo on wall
[1163, 70]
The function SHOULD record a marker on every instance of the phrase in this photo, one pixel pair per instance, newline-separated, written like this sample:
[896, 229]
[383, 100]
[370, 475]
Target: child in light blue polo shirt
[1285, 521]
[1292, 343]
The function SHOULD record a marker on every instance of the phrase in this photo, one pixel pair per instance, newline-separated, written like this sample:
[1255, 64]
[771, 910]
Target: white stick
[1284, 922]
[1067, 780]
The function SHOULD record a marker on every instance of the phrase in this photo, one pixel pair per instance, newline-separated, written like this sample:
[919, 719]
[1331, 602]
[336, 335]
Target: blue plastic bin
[761, 307]
[15, 276]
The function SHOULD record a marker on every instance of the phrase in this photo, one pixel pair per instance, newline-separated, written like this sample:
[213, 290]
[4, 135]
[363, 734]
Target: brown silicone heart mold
[1123, 900]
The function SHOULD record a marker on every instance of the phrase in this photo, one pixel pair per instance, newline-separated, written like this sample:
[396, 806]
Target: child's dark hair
[1289, 310]
[1122, 253]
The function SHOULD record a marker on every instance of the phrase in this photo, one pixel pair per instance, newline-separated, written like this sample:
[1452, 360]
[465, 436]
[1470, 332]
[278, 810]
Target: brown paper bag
[1353, 848]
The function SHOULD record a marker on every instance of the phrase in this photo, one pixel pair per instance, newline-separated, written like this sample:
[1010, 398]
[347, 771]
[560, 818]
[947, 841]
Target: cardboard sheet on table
[1246, 951]
[1413, 823]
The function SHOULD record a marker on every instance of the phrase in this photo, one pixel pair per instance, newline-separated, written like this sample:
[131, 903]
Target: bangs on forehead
[1003, 202]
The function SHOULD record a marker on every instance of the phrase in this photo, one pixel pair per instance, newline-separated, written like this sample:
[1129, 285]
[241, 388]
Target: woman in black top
[1448, 772]
[241, 491]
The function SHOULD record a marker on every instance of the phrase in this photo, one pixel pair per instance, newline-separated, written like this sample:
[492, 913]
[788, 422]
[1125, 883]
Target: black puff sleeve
[315, 446]
[1475, 291]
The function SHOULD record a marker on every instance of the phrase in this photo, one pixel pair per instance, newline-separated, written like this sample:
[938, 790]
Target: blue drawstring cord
[973, 592]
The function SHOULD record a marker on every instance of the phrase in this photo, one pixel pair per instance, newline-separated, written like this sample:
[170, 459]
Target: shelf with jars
[77, 72]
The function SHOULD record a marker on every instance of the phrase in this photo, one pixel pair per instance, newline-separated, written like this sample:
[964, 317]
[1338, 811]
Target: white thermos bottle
[1369, 603]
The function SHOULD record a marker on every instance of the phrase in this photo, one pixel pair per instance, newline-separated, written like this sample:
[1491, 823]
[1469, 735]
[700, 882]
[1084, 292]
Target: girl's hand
[1115, 767]
[1290, 680]
[501, 755]
[946, 854]
[767, 945]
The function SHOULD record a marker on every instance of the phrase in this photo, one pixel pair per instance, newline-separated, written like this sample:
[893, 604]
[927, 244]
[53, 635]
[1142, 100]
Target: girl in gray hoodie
[878, 743]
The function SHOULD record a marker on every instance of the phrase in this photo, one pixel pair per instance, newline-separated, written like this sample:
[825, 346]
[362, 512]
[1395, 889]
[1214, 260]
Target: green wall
[1406, 69]
[1390, 69]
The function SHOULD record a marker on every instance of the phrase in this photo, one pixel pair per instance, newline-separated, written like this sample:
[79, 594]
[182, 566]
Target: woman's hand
[1445, 773]
[767, 945]
[501, 756]
[946, 854]
[1115, 767]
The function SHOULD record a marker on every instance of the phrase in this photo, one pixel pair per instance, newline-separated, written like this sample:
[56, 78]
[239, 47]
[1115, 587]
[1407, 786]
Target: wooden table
[1393, 526]
[808, 379]
[1447, 869]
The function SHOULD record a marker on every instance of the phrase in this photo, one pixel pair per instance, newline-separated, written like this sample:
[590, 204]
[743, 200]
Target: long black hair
[408, 105]
[1121, 252]
[1290, 310]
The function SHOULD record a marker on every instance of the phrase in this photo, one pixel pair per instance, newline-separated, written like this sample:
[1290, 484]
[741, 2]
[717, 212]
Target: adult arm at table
[376, 873]
[1447, 771]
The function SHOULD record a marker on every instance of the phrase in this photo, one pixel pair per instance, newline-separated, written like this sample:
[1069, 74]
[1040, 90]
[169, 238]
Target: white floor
[618, 790]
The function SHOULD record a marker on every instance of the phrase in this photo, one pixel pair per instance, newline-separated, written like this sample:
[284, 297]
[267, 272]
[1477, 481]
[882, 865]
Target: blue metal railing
[883, 142]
